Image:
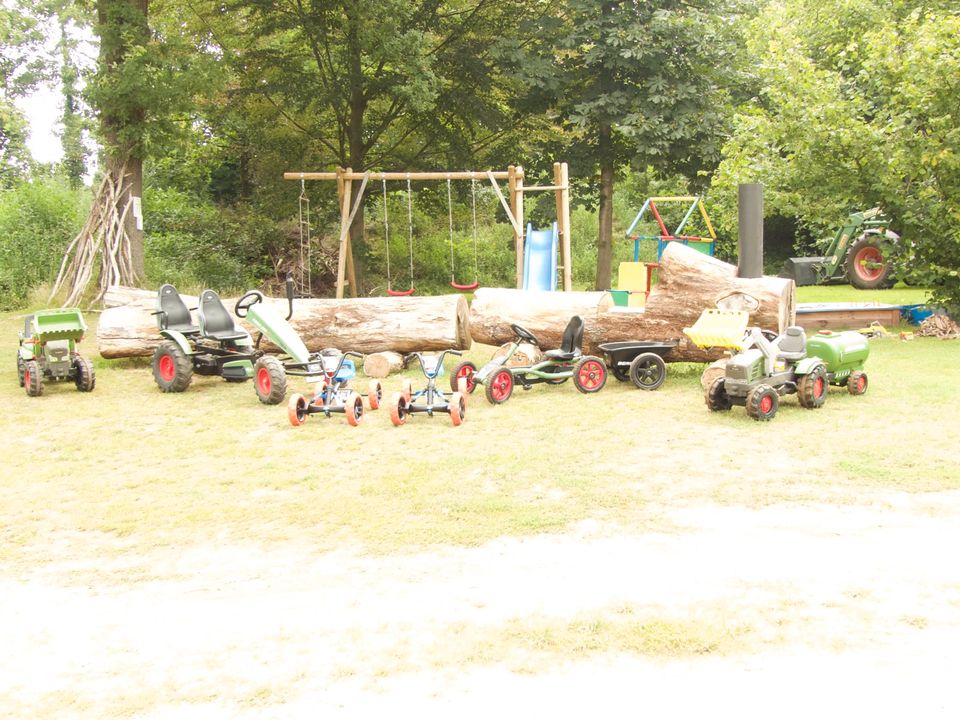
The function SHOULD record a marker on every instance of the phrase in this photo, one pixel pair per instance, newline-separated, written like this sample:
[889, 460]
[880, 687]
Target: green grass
[899, 295]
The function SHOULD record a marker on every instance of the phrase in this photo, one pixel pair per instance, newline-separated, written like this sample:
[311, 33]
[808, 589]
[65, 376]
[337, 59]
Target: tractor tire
[464, 371]
[762, 402]
[32, 378]
[84, 375]
[20, 369]
[868, 265]
[269, 380]
[716, 396]
[590, 375]
[499, 387]
[812, 388]
[172, 369]
[857, 383]
[648, 371]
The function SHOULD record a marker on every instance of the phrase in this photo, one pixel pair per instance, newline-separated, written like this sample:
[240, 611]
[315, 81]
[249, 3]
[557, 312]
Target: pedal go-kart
[334, 395]
[48, 351]
[430, 399]
[589, 373]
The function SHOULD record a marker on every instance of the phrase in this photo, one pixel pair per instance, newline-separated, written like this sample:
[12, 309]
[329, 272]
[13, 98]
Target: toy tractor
[48, 351]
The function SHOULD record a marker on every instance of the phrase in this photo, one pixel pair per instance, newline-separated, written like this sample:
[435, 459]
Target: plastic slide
[540, 259]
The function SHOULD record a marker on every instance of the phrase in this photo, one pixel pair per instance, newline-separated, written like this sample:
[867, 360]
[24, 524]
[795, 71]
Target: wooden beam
[348, 174]
[562, 179]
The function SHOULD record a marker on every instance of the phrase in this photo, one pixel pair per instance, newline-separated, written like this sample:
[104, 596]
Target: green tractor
[48, 351]
[860, 253]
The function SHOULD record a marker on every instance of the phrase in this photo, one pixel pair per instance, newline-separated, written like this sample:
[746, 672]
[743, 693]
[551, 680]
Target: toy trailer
[48, 351]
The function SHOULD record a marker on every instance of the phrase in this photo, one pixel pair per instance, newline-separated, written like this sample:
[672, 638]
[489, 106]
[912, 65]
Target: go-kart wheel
[619, 373]
[269, 380]
[590, 375]
[398, 409]
[499, 387]
[172, 369]
[812, 388]
[32, 378]
[354, 409]
[374, 394]
[297, 409]
[464, 371]
[406, 389]
[567, 372]
[84, 376]
[458, 408]
[857, 383]
[716, 396]
[762, 402]
[648, 371]
[20, 369]
[246, 302]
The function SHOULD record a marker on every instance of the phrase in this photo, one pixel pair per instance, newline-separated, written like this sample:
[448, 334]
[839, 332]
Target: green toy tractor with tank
[48, 351]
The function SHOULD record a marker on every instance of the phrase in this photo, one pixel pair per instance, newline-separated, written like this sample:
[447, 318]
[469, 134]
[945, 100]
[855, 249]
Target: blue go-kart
[431, 399]
[334, 395]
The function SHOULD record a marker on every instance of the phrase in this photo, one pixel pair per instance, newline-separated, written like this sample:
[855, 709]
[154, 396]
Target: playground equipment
[514, 175]
[464, 287]
[640, 361]
[865, 263]
[430, 399]
[48, 351]
[698, 242]
[540, 259]
[334, 396]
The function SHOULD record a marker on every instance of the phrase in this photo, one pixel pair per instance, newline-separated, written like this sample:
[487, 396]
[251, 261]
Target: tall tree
[21, 67]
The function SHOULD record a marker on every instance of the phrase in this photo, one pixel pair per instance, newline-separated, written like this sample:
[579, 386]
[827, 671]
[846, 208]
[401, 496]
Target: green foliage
[37, 221]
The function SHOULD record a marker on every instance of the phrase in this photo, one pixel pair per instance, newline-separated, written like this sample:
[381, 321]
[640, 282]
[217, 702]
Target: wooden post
[515, 184]
[344, 188]
[561, 179]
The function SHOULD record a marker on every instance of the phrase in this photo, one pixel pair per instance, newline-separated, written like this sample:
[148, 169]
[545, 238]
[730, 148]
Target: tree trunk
[382, 364]
[403, 324]
[605, 210]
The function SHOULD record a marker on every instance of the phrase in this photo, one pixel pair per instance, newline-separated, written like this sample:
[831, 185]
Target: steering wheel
[246, 302]
[524, 334]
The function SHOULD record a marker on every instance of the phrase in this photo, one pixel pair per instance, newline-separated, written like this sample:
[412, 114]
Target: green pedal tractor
[48, 351]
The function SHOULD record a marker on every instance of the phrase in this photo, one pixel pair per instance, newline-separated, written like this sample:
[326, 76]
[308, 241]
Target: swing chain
[386, 230]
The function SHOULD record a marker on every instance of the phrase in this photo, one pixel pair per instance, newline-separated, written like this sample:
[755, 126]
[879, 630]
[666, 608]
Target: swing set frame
[350, 200]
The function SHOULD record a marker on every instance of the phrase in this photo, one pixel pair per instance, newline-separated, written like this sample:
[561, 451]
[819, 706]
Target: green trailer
[48, 351]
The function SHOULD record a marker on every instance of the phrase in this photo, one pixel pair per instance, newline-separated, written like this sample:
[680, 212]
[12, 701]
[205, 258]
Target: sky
[43, 110]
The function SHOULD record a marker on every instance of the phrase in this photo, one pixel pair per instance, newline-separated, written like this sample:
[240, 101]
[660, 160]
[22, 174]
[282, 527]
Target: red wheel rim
[818, 387]
[766, 404]
[167, 368]
[263, 381]
[466, 372]
[869, 263]
[502, 384]
[591, 372]
[861, 383]
[26, 378]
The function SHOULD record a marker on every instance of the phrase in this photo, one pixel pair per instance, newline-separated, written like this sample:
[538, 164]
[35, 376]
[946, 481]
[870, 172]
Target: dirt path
[821, 610]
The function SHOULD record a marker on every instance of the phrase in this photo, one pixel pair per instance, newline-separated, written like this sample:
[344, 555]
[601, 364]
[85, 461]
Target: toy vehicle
[588, 372]
[639, 361]
[865, 263]
[431, 399]
[48, 351]
[766, 370]
[334, 395]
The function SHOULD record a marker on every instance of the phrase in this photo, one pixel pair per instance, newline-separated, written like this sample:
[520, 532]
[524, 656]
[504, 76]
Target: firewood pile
[939, 326]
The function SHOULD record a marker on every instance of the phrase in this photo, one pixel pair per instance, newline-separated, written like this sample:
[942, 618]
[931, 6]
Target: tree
[21, 67]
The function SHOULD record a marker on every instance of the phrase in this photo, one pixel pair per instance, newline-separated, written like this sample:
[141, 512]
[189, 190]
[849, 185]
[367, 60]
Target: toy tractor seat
[792, 345]
[215, 322]
[572, 340]
[172, 312]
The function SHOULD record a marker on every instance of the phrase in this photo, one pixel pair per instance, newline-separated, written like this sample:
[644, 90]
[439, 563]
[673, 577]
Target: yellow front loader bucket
[719, 328]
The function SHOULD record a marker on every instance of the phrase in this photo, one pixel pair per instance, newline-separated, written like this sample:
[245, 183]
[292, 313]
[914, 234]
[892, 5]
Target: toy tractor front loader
[48, 351]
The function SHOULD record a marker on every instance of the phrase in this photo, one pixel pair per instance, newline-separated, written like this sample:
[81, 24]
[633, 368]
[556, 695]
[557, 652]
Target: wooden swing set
[350, 203]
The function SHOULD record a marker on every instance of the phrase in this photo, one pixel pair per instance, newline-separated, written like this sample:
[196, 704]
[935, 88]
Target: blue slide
[540, 259]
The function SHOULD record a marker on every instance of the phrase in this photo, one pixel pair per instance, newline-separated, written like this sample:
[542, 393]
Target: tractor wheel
[648, 371]
[464, 371]
[374, 394]
[354, 409]
[398, 409]
[406, 389]
[499, 387]
[857, 383]
[716, 396]
[297, 410]
[20, 369]
[84, 375]
[269, 380]
[172, 369]
[458, 408]
[867, 266]
[32, 378]
[590, 375]
[762, 402]
[812, 388]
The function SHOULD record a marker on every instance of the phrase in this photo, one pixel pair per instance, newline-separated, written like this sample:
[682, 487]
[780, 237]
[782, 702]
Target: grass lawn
[195, 552]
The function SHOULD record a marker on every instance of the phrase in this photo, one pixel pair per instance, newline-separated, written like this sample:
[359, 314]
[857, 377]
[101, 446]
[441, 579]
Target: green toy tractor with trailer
[48, 351]
[860, 253]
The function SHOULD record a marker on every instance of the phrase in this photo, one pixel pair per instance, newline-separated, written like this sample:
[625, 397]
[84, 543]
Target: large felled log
[399, 324]
[381, 364]
[689, 282]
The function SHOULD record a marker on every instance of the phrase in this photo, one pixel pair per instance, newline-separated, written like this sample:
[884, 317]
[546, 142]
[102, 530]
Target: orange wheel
[398, 409]
[406, 388]
[458, 408]
[374, 394]
[297, 409]
[354, 409]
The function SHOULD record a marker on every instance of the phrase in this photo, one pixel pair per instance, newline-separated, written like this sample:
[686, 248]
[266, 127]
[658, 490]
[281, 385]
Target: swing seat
[401, 293]
[465, 288]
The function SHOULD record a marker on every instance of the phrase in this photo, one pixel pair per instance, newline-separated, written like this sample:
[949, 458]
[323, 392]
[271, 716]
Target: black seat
[172, 313]
[572, 339]
[215, 322]
[792, 345]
